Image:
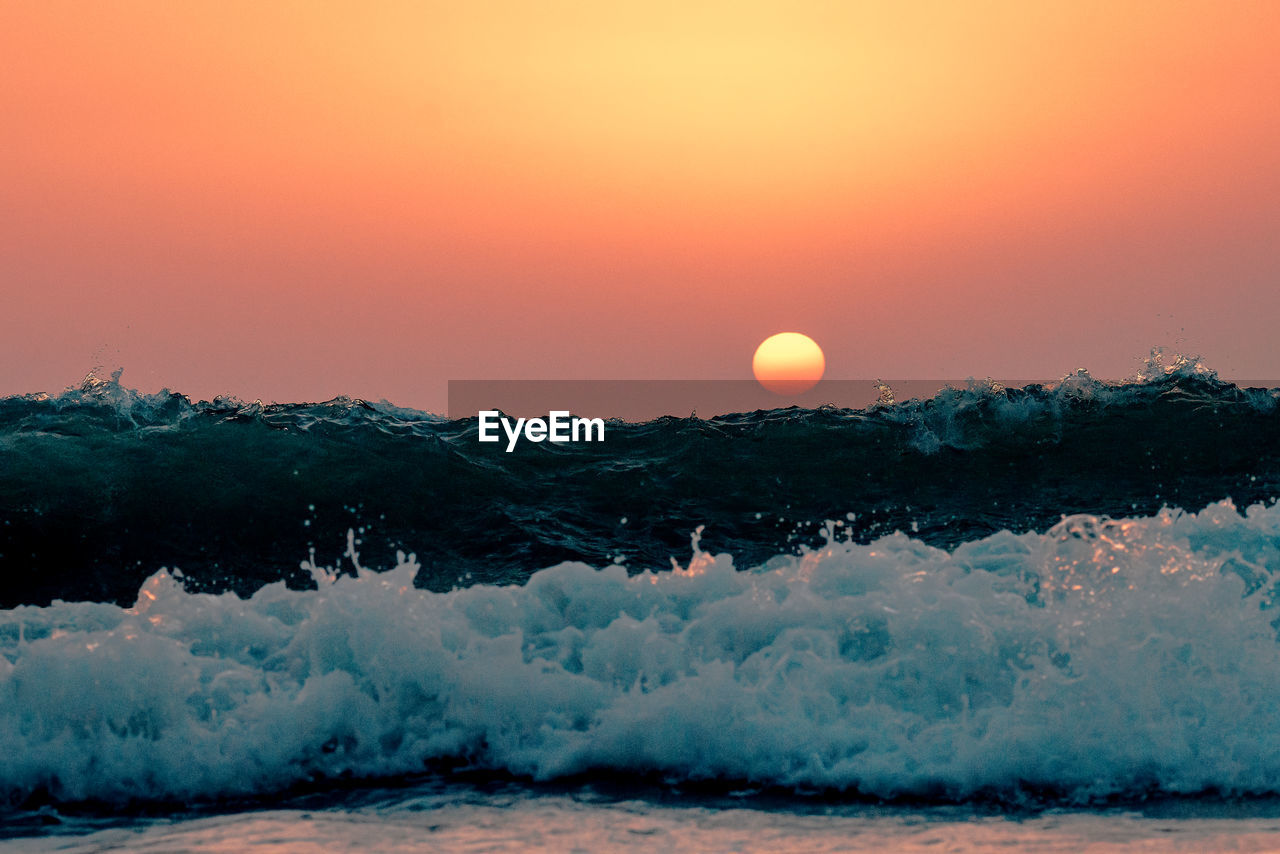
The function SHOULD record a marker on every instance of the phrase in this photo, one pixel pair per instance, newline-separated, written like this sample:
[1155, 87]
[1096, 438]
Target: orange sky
[299, 200]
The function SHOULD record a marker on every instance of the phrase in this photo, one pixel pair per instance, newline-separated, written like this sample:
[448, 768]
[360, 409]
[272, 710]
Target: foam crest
[1102, 658]
[981, 413]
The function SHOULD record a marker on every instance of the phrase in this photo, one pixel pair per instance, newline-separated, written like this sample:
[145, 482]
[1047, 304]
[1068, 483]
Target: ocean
[1040, 618]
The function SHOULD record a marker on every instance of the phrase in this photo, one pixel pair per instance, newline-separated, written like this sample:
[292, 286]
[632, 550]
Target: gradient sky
[295, 200]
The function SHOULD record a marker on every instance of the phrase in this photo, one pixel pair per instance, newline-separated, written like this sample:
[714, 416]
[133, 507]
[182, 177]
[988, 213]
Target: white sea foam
[1100, 658]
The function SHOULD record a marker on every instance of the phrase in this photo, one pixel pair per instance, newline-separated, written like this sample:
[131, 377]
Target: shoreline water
[448, 815]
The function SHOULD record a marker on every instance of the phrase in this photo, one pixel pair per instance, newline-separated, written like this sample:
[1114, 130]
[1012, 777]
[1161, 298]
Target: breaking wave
[100, 486]
[1102, 658]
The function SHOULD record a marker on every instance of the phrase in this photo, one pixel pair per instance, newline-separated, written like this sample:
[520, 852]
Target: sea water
[1038, 618]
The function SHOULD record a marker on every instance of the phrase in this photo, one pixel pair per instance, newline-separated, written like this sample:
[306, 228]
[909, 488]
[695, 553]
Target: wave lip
[1101, 659]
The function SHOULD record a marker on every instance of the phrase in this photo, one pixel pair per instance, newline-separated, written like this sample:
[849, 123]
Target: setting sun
[788, 363]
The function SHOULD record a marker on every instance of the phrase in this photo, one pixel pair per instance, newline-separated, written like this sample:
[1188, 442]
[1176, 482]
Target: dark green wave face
[100, 487]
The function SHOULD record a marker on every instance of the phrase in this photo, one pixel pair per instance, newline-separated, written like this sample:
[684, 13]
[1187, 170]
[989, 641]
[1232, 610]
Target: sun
[788, 363]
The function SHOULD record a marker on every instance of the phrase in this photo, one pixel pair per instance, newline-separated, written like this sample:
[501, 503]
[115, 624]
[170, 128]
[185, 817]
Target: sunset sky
[296, 200]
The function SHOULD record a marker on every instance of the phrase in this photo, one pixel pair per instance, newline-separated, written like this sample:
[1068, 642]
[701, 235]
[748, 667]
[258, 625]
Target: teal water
[997, 617]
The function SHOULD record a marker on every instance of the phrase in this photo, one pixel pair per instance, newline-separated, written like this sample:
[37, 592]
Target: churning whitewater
[1102, 658]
